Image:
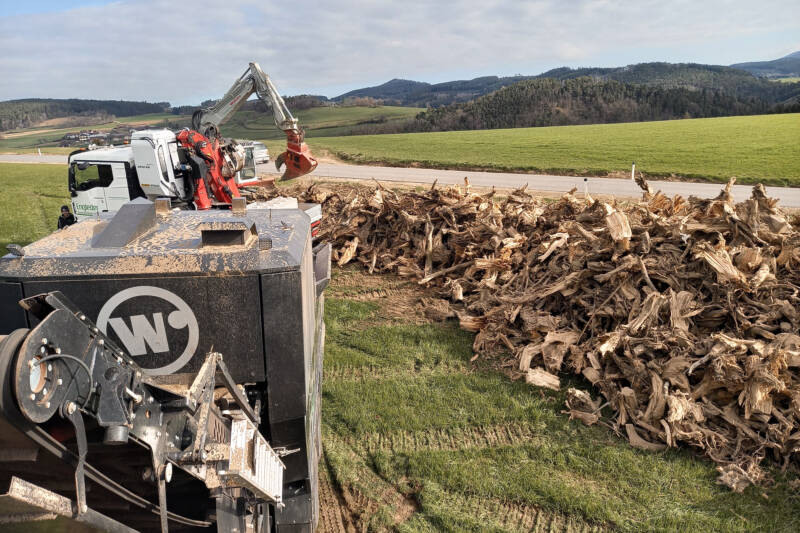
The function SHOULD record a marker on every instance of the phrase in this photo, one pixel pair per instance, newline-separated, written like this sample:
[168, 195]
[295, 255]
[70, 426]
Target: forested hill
[686, 75]
[665, 75]
[420, 94]
[585, 100]
[28, 112]
[787, 66]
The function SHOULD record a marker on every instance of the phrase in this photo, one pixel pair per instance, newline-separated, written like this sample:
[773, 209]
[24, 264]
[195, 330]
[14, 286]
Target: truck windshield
[84, 176]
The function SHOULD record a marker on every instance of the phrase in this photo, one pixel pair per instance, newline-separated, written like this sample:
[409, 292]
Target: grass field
[30, 198]
[420, 439]
[790, 79]
[28, 140]
[317, 122]
[756, 148]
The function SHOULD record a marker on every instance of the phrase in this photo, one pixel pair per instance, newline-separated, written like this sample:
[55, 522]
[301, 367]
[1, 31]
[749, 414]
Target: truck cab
[159, 166]
[102, 180]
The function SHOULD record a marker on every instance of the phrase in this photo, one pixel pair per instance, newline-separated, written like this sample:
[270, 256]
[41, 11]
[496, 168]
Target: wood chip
[681, 313]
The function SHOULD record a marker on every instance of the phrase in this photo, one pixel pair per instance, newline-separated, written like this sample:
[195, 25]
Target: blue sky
[15, 7]
[183, 52]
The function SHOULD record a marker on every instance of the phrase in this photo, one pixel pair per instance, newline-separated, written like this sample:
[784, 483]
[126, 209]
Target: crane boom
[297, 157]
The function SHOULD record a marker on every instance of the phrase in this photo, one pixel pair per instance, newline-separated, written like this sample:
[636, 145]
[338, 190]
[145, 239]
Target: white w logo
[141, 333]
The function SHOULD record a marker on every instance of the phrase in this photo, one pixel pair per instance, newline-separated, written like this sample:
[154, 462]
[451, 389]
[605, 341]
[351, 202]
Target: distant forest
[665, 75]
[692, 76]
[562, 96]
[582, 100]
[28, 112]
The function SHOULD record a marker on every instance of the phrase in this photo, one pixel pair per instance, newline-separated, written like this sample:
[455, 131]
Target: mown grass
[754, 149]
[407, 416]
[30, 199]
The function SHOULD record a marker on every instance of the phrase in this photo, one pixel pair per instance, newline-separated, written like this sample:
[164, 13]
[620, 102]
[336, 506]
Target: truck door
[87, 184]
[117, 193]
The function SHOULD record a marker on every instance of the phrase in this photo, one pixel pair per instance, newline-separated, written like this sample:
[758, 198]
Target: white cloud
[167, 50]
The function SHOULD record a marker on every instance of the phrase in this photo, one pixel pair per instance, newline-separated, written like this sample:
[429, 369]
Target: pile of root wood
[683, 314]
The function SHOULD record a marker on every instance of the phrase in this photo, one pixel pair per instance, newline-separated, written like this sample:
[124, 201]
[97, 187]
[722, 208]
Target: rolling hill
[785, 67]
[583, 100]
[28, 112]
[734, 80]
[690, 76]
[421, 94]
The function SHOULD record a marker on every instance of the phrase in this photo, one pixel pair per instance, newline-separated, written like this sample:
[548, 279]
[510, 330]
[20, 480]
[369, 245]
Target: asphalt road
[789, 196]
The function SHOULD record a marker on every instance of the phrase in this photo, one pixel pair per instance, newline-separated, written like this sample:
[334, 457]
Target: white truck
[260, 151]
[153, 166]
[193, 168]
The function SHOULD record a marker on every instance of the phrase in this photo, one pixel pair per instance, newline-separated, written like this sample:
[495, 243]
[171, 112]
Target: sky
[186, 52]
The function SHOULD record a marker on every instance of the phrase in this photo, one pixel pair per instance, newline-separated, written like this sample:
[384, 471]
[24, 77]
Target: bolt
[119, 360]
[71, 408]
[49, 367]
[44, 340]
[137, 398]
[84, 508]
[82, 317]
[58, 350]
[101, 342]
[44, 391]
[94, 330]
[42, 350]
[60, 381]
[47, 405]
[32, 396]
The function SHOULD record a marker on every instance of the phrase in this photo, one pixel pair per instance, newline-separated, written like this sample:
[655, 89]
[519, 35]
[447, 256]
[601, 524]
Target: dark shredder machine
[167, 288]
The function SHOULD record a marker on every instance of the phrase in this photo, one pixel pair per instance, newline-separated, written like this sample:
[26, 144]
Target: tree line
[29, 112]
[582, 100]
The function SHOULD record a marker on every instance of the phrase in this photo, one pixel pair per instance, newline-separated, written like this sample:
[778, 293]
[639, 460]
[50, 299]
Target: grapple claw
[297, 158]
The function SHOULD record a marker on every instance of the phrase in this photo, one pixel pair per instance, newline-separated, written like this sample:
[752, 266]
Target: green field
[423, 440]
[28, 140]
[30, 198]
[761, 148]
[317, 121]
[419, 439]
[791, 79]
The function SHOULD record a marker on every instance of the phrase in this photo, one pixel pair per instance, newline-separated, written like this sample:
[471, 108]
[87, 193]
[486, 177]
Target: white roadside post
[633, 171]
